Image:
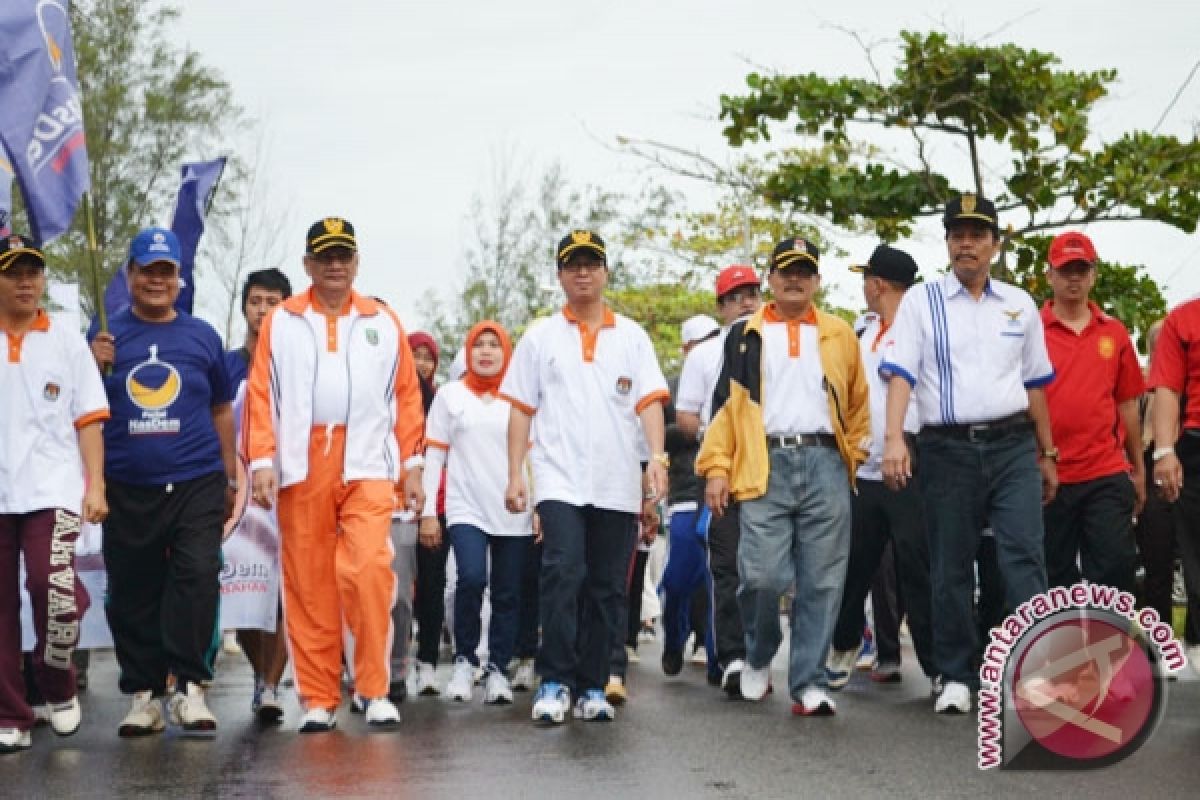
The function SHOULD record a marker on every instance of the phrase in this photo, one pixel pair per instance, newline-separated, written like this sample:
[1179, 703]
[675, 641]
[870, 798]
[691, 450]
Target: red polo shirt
[1095, 370]
[1176, 362]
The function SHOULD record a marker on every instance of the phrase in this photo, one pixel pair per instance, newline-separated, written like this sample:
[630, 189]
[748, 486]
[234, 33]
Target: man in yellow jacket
[791, 424]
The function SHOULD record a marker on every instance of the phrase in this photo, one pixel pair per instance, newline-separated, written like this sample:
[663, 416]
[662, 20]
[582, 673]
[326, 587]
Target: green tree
[1000, 104]
[661, 309]
[148, 106]
[742, 224]
[515, 225]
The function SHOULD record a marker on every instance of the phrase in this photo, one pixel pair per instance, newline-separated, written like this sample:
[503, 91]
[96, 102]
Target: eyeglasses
[738, 295]
[579, 269]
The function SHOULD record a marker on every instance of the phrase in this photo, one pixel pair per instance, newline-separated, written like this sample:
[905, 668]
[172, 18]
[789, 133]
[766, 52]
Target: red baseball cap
[735, 276]
[1069, 247]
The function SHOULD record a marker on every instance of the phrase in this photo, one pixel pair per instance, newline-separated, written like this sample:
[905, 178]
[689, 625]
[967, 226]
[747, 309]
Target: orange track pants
[337, 568]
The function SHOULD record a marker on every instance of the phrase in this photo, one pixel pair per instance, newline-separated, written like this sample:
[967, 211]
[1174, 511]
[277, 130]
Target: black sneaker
[397, 691]
[672, 662]
[731, 679]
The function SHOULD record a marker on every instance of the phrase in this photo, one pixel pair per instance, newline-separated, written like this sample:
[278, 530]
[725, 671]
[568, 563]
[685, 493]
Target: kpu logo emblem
[51, 391]
[1075, 678]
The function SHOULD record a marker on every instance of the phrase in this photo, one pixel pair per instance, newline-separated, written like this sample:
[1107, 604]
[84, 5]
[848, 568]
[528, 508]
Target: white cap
[696, 328]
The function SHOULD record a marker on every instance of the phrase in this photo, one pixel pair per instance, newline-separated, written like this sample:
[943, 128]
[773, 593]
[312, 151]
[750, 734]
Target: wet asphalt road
[677, 738]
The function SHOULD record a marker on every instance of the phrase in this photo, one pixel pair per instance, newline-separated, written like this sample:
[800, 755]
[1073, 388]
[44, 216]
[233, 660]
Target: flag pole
[94, 258]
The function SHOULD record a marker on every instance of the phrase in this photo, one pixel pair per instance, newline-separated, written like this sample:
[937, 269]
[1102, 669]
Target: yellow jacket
[735, 444]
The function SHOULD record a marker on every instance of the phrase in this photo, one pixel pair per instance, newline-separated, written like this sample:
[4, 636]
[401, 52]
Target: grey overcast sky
[391, 113]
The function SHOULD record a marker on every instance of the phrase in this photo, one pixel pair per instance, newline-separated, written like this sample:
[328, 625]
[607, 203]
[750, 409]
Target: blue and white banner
[41, 112]
[199, 181]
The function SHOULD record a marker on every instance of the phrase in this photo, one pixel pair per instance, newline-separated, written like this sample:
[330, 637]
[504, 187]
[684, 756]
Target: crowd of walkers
[952, 454]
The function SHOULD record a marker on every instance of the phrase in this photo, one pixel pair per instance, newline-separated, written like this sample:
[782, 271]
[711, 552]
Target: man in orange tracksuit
[334, 421]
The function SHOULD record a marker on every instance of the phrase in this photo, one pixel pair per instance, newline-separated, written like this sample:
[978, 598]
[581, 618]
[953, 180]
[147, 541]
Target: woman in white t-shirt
[467, 430]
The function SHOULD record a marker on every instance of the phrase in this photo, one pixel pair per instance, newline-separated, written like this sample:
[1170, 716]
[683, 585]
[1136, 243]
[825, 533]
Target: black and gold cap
[795, 251]
[578, 240]
[14, 246]
[328, 233]
[971, 207]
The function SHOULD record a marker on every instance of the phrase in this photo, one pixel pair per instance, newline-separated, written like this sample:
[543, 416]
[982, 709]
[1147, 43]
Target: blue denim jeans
[686, 570]
[798, 531]
[586, 554]
[471, 548]
[967, 486]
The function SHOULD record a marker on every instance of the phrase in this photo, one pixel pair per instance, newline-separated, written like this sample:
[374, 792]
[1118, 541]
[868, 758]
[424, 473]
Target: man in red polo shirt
[1094, 416]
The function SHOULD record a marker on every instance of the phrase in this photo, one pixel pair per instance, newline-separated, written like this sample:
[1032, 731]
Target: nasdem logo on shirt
[153, 386]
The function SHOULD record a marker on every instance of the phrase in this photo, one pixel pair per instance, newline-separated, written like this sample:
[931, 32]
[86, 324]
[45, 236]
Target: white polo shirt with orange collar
[585, 390]
[50, 387]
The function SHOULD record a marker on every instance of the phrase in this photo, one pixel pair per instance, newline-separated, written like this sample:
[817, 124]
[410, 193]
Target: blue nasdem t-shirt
[167, 378]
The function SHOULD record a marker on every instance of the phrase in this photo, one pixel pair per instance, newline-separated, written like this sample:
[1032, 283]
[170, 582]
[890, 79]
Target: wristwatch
[1162, 452]
[663, 459]
[1051, 453]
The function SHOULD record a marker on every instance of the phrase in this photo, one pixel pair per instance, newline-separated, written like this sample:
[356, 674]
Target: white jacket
[385, 423]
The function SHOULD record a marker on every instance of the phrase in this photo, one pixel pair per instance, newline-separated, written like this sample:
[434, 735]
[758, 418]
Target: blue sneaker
[594, 705]
[551, 703]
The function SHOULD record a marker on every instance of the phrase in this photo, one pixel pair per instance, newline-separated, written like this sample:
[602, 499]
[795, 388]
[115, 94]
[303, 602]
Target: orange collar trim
[771, 314]
[610, 319]
[300, 303]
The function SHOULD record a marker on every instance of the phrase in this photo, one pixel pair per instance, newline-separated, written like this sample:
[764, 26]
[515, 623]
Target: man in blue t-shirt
[171, 474]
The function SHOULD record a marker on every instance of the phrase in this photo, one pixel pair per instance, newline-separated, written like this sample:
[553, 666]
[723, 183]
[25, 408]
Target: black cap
[14, 246]
[578, 240]
[972, 207]
[890, 263]
[796, 250]
[330, 232]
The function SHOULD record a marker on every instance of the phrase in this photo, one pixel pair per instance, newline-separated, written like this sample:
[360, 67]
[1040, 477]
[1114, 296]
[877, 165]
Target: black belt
[803, 440]
[983, 431]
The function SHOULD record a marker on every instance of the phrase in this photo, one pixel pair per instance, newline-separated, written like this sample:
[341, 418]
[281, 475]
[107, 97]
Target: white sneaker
[66, 717]
[427, 680]
[551, 703]
[188, 710]
[461, 680]
[41, 714]
[839, 666]
[755, 682]
[814, 702]
[144, 718]
[318, 720]
[955, 698]
[524, 677]
[593, 705]
[14, 739]
[496, 690]
[381, 713]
